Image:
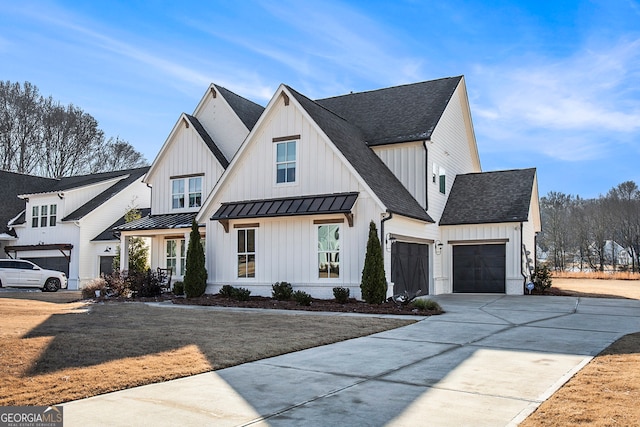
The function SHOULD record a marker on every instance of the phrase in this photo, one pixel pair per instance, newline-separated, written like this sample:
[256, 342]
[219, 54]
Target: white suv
[19, 272]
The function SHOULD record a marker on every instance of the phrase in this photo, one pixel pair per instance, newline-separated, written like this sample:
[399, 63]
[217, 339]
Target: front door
[410, 268]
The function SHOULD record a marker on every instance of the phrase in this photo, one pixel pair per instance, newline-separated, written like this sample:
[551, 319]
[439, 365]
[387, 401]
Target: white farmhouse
[286, 193]
[62, 223]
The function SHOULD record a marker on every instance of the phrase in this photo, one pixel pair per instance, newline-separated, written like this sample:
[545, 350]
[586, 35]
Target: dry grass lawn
[53, 353]
[606, 392]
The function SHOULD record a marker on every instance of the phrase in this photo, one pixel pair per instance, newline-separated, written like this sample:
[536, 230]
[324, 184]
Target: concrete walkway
[489, 361]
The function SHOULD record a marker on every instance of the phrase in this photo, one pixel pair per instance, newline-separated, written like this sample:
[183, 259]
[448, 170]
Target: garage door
[52, 263]
[479, 268]
[410, 268]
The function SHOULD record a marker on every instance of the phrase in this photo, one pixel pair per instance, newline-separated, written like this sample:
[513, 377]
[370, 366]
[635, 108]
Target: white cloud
[570, 105]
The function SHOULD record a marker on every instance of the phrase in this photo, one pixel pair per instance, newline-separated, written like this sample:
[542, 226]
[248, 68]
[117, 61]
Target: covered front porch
[167, 237]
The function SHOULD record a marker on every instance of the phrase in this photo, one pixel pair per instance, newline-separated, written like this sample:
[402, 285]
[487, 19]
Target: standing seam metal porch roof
[290, 206]
[159, 222]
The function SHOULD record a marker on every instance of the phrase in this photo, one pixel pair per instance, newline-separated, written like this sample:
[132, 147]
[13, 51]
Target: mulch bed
[353, 306]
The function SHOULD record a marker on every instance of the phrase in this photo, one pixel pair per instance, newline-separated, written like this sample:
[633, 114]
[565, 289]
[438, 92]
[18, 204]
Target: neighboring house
[57, 221]
[286, 193]
[612, 254]
[191, 161]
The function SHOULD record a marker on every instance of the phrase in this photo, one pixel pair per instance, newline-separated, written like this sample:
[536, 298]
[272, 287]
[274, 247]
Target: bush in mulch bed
[352, 306]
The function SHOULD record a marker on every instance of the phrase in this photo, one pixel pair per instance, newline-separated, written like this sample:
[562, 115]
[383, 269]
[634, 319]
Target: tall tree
[41, 136]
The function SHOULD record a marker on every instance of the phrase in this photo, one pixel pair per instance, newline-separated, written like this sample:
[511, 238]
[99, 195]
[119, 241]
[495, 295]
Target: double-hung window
[186, 192]
[246, 253]
[286, 162]
[44, 215]
[329, 251]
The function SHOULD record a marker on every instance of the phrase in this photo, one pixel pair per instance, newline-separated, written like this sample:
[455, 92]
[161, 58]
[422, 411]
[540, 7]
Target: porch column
[124, 252]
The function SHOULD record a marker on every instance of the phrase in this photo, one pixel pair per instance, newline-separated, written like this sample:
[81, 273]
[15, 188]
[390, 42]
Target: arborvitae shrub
[374, 283]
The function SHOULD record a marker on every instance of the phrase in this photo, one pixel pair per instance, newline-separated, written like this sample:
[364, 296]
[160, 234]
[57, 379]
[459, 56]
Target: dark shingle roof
[303, 205]
[490, 197]
[12, 185]
[249, 112]
[350, 141]
[207, 140]
[159, 222]
[396, 114]
[133, 175]
[109, 234]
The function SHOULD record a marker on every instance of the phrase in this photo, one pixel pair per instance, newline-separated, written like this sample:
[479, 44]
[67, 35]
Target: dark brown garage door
[410, 268]
[479, 268]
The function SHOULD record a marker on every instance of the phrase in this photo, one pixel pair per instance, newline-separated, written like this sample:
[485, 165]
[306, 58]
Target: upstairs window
[286, 162]
[186, 192]
[44, 216]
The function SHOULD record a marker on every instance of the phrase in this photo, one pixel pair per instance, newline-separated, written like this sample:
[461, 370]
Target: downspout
[382, 221]
[426, 175]
[524, 276]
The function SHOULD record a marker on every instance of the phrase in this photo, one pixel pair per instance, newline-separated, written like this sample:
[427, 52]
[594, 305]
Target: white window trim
[339, 279]
[180, 243]
[185, 192]
[275, 164]
[255, 254]
[48, 215]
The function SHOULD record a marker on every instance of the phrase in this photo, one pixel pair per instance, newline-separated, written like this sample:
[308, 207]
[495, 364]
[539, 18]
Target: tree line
[592, 234]
[41, 136]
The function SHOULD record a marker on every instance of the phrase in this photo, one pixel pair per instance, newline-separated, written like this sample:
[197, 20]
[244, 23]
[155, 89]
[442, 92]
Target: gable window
[286, 162]
[44, 215]
[247, 253]
[186, 192]
[329, 251]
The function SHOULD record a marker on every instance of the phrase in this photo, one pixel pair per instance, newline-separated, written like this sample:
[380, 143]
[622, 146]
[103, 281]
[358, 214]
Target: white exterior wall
[77, 197]
[484, 234]
[407, 162]
[185, 154]
[286, 247]
[221, 123]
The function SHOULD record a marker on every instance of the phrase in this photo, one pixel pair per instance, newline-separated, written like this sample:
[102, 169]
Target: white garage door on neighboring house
[479, 268]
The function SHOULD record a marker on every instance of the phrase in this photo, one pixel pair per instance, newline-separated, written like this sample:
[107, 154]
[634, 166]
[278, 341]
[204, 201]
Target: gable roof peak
[396, 114]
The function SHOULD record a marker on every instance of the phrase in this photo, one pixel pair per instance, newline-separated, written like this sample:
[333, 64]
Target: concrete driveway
[489, 361]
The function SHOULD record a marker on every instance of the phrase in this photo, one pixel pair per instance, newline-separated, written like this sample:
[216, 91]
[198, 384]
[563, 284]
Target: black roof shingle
[248, 111]
[12, 185]
[207, 140]
[395, 114]
[490, 197]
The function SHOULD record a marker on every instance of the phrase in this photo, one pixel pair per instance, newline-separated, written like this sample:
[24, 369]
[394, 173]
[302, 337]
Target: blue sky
[552, 84]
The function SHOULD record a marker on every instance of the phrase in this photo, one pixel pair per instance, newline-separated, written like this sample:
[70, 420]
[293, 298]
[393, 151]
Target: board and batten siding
[451, 147]
[221, 123]
[187, 154]
[479, 234]
[287, 247]
[407, 162]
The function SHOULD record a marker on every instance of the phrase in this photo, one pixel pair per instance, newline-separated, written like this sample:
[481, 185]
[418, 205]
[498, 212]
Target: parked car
[23, 273]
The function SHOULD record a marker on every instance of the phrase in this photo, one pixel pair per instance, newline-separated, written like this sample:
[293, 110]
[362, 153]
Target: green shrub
[178, 288]
[241, 294]
[195, 277]
[227, 291]
[426, 305]
[341, 294]
[374, 283]
[302, 298]
[541, 278]
[282, 291]
[89, 291]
